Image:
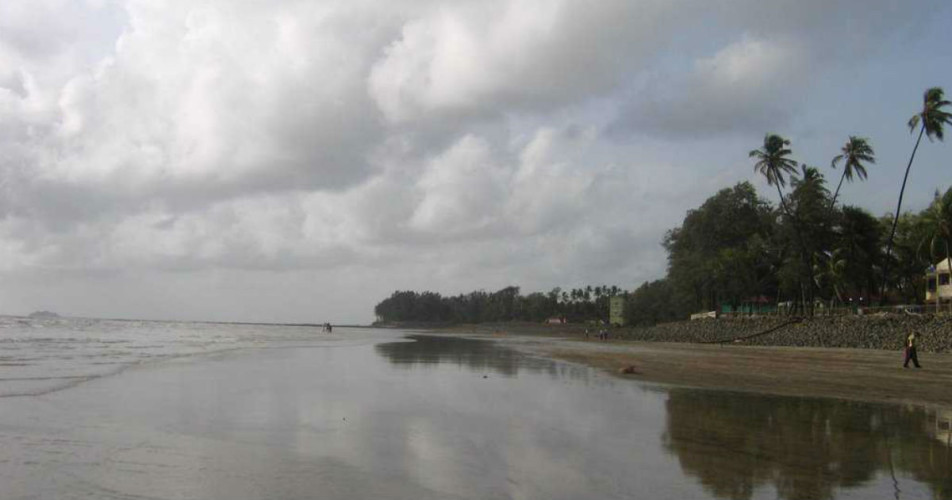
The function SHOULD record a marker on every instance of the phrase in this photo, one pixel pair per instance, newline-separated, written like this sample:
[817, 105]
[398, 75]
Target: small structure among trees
[616, 311]
[939, 282]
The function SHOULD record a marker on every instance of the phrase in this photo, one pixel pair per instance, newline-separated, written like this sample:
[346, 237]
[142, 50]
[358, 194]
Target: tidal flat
[296, 414]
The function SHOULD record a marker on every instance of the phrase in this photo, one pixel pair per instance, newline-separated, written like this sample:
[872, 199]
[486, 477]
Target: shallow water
[266, 412]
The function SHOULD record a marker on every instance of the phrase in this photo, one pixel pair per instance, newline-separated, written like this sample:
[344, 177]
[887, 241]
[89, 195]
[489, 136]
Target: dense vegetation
[504, 305]
[738, 249]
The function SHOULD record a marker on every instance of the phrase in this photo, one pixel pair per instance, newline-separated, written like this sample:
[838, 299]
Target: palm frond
[836, 159]
[933, 117]
[913, 123]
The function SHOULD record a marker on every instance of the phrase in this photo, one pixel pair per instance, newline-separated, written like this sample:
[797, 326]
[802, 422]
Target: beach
[211, 411]
[844, 373]
[853, 374]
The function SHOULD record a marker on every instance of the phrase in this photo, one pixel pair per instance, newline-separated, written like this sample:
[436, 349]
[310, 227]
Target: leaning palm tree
[930, 121]
[855, 152]
[773, 163]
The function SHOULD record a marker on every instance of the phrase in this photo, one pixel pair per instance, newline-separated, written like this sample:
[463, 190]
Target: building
[616, 311]
[937, 281]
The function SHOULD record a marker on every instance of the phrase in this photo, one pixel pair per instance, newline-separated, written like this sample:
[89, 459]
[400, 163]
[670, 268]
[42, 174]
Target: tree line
[738, 248]
[507, 304]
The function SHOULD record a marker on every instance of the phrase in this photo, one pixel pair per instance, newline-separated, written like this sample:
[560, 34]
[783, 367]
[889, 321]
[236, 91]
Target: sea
[115, 409]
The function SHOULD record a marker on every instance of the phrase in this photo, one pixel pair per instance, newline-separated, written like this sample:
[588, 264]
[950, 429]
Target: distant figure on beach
[327, 328]
[911, 351]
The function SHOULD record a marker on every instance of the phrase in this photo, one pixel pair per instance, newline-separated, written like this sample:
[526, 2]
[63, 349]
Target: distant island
[44, 315]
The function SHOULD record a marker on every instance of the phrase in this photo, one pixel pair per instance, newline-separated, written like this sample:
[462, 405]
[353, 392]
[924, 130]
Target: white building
[941, 273]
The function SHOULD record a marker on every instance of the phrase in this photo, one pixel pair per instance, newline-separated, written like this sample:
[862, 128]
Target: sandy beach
[839, 373]
[852, 374]
[251, 412]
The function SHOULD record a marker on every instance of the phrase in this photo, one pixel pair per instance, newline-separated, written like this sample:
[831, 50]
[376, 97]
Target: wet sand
[852, 374]
[380, 418]
[371, 414]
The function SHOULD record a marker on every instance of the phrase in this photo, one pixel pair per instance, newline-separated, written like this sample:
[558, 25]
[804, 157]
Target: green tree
[931, 120]
[653, 302]
[858, 236]
[807, 228]
[855, 152]
[937, 221]
[728, 220]
[735, 275]
[907, 259]
[774, 164]
[829, 271]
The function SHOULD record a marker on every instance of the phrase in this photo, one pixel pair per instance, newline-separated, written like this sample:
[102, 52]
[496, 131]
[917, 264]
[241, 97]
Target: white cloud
[461, 190]
[398, 140]
[493, 56]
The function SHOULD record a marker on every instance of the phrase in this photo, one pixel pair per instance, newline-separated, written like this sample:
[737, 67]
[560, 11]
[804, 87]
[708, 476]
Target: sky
[299, 160]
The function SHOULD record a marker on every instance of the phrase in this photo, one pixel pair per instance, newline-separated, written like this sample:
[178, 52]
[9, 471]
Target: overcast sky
[297, 161]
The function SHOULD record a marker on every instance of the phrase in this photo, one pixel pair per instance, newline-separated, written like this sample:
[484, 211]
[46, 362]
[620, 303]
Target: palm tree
[856, 151]
[772, 163]
[811, 221]
[930, 121]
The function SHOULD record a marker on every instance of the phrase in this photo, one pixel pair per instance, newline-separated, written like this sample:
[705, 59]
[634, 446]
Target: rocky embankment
[868, 332]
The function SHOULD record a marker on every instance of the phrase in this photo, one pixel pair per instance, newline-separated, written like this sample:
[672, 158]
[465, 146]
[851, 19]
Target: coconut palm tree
[930, 120]
[773, 163]
[811, 221]
[856, 151]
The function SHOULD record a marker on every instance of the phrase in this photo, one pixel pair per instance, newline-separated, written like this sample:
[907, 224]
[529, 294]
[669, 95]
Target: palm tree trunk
[892, 233]
[803, 250]
[783, 204]
[837, 192]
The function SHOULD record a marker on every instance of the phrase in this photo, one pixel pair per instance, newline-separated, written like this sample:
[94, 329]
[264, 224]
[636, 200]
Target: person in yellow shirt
[911, 351]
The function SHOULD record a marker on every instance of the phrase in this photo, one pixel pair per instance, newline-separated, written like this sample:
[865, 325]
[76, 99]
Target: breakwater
[864, 332]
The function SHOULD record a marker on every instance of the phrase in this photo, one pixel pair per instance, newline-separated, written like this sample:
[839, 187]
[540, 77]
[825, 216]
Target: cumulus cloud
[493, 56]
[462, 141]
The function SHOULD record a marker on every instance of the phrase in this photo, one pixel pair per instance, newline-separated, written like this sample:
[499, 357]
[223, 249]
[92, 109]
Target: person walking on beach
[911, 351]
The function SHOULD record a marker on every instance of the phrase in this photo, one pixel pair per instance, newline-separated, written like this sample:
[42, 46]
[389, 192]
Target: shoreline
[870, 375]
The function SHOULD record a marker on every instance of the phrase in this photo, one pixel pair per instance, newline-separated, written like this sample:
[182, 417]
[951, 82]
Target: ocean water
[41, 355]
[115, 409]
